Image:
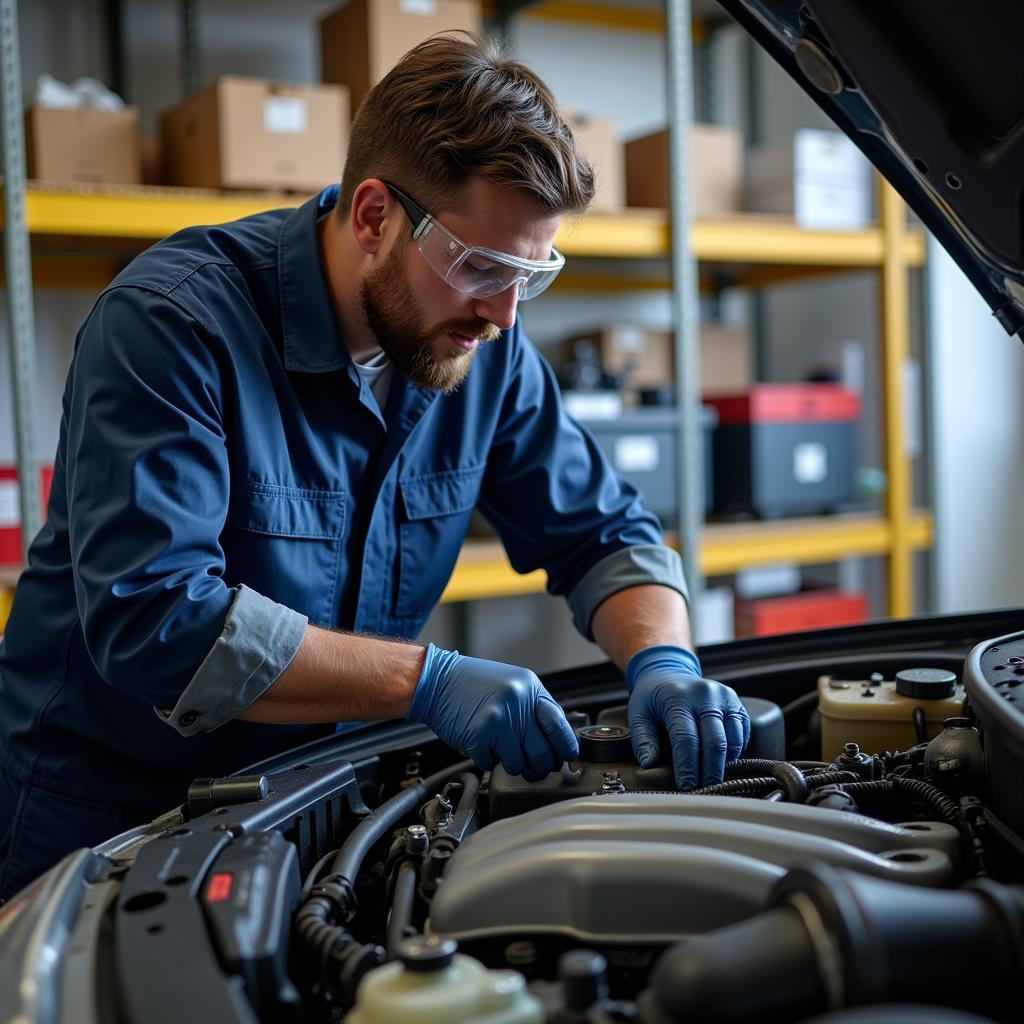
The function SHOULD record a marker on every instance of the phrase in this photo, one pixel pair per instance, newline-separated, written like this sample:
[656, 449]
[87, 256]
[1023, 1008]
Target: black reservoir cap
[926, 683]
[605, 744]
[427, 953]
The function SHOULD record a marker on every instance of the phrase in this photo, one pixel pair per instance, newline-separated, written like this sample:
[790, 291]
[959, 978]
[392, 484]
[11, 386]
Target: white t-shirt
[377, 371]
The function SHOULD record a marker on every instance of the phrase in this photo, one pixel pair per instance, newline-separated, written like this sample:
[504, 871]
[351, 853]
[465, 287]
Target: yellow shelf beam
[139, 213]
[751, 239]
[483, 570]
[728, 547]
[145, 214]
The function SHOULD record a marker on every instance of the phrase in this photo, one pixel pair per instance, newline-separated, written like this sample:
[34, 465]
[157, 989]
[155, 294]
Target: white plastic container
[463, 991]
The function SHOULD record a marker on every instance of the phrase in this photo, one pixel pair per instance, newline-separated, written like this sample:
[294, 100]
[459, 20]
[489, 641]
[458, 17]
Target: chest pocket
[436, 509]
[285, 542]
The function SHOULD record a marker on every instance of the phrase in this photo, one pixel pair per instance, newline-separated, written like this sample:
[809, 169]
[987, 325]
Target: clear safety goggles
[474, 269]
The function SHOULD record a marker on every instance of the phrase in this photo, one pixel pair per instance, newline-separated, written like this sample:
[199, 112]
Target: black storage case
[643, 446]
[785, 449]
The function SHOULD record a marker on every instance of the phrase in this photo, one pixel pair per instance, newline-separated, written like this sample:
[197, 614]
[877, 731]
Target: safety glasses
[474, 269]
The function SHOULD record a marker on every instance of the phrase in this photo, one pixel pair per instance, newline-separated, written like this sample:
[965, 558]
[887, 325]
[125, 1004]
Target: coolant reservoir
[431, 983]
[878, 714]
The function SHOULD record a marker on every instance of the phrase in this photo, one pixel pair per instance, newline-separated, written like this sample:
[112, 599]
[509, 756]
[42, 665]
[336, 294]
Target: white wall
[978, 424]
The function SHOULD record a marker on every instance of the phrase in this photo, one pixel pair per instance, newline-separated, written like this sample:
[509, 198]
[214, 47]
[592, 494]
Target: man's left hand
[706, 723]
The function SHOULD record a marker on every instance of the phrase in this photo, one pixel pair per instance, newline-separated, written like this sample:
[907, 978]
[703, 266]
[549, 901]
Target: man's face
[430, 330]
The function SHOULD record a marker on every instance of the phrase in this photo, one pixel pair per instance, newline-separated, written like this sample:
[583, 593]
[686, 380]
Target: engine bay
[864, 853]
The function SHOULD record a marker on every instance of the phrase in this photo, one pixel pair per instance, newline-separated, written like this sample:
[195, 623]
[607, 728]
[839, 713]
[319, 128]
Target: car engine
[861, 861]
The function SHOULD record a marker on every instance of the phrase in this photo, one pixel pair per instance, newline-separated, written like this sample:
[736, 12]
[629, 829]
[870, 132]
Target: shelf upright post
[190, 72]
[895, 353]
[18, 272]
[685, 310]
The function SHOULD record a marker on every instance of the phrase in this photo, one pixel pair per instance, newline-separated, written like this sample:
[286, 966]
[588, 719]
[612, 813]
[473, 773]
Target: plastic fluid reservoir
[431, 983]
[878, 714]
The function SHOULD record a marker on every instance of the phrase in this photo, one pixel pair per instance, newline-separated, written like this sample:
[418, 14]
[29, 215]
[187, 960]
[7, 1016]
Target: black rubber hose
[748, 766]
[402, 904]
[314, 872]
[342, 960]
[944, 808]
[899, 786]
[756, 787]
[920, 724]
[792, 779]
[377, 823]
[835, 777]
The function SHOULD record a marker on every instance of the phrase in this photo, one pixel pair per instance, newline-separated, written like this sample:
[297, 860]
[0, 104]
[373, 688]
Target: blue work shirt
[224, 476]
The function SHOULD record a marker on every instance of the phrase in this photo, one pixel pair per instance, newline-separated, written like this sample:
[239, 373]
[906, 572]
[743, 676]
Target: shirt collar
[312, 337]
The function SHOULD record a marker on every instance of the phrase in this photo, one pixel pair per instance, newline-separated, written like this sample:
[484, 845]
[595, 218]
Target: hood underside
[933, 96]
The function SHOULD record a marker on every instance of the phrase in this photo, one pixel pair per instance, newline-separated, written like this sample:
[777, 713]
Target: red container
[10, 530]
[793, 613]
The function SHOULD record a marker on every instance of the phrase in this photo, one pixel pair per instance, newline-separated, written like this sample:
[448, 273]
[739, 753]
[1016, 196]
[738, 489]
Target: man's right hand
[493, 712]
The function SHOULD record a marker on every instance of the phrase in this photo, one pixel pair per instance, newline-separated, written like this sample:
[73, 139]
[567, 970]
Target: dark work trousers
[39, 826]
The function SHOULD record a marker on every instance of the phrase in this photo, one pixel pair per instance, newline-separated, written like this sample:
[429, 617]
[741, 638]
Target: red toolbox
[785, 449]
[793, 613]
[10, 529]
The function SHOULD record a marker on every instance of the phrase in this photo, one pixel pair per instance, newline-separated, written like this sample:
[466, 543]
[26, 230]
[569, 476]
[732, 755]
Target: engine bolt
[416, 840]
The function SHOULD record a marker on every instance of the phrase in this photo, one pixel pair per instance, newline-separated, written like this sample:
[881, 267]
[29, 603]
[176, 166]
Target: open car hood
[932, 94]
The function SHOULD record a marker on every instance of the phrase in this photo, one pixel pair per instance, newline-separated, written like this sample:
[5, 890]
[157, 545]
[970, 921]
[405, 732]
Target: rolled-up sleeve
[558, 504]
[628, 567]
[259, 639]
[148, 486]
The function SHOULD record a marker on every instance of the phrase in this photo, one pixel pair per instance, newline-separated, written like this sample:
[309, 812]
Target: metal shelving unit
[17, 269]
[81, 236]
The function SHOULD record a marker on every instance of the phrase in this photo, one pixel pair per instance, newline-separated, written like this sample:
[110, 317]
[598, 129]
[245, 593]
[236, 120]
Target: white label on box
[829, 156]
[826, 207]
[629, 339]
[9, 515]
[637, 454]
[593, 405]
[810, 462]
[285, 115]
[424, 7]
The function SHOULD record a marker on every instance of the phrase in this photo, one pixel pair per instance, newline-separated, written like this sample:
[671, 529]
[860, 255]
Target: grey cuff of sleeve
[259, 639]
[629, 567]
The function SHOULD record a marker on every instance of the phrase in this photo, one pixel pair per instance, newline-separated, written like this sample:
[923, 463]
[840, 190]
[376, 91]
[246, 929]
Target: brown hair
[453, 108]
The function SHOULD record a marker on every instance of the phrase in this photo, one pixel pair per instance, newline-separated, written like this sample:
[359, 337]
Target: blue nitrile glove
[706, 722]
[493, 712]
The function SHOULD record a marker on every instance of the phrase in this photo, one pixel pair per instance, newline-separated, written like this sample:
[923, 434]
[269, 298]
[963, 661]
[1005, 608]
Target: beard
[391, 314]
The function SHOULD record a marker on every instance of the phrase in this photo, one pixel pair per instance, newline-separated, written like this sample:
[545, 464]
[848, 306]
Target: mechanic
[273, 434]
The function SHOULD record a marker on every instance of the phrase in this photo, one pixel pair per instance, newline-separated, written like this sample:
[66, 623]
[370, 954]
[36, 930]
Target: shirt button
[188, 718]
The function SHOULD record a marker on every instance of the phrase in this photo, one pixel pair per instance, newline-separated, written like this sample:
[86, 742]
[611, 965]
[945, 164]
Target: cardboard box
[10, 511]
[257, 134]
[793, 613]
[645, 355]
[726, 359]
[362, 41]
[598, 139]
[152, 160]
[820, 179]
[84, 145]
[716, 156]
